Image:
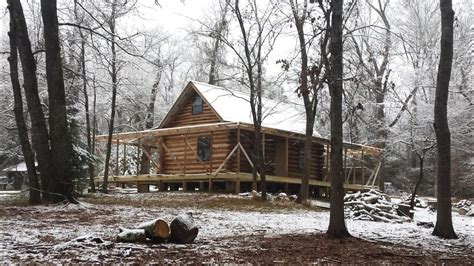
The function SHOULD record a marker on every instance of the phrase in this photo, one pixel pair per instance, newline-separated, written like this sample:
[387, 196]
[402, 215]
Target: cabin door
[281, 158]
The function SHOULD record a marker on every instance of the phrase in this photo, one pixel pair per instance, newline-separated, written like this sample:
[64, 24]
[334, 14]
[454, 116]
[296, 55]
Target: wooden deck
[233, 177]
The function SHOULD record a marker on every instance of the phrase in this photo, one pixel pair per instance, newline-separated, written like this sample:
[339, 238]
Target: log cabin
[205, 142]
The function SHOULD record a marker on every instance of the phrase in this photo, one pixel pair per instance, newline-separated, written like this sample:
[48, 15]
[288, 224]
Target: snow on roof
[234, 106]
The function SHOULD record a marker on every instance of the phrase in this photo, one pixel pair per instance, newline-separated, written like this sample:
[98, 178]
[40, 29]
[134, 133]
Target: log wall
[186, 118]
[294, 146]
[180, 155]
[317, 164]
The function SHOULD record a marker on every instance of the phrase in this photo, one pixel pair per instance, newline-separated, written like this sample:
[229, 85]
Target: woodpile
[464, 207]
[182, 230]
[272, 197]
[372, 206]
[418, 203]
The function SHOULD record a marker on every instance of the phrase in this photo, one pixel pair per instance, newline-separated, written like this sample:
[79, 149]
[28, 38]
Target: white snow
[234, 106]
[25, 237]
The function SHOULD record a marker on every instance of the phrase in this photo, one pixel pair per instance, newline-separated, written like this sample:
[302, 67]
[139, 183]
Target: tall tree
[150, 118]
[308, 88]
[373, 68]
[39, 131]
[253, 60]
[337, 226]
[113, 75]
[219, 29]
[444, 224]
[28, 154]
[61, 148]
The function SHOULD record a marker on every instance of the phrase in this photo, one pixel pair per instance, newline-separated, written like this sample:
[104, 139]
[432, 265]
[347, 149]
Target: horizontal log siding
[186, 118]
[318, 158]
[317, 162]
[177, 147]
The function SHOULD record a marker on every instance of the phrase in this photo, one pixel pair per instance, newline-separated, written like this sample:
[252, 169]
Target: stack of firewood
[418, 202]
[372, 206]
[464, 207]
[182, 230]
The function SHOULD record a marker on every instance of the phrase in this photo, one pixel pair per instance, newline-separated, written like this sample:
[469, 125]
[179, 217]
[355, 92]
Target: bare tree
[444, 224]
[374, 70]
[252, 61]
[309, 86]
[61, 148]
[337, 226]
[28, 154]
[39, 131]
[113, 75]
[220, 29]
[150, 118]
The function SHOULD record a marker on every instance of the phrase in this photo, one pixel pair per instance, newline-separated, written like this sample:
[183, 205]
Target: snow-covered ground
[41, 233]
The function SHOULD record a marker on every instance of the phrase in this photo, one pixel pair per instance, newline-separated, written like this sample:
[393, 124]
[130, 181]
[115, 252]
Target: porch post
[138, 157]
[185, 153]
[238, 150]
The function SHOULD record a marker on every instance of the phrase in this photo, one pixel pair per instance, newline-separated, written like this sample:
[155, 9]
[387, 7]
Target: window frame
[197, 108]
[199, 148]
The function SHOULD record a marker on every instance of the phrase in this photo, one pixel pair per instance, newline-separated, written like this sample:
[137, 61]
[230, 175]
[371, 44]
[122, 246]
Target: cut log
[131, 235]
[372, 199]
[404, 210]
[183, 229]
[157, 230]
[377, 217]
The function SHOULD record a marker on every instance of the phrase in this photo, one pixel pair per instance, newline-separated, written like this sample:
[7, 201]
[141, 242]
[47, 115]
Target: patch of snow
[43, 233]
[276, 114]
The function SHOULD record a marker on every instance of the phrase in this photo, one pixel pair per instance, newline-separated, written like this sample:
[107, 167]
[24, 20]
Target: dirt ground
[85, 234]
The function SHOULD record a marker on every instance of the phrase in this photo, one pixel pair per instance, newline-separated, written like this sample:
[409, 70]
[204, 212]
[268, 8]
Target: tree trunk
[303, 89]
[213, 67]
[183, 229]
[381, 132]
[28, 155]
[337, 227]
[219, 31]
[61, 148]
[444, 224]
[420, 178]
[113, 75]
[85, 93]
[39, 131]
[150, 121]
[255, 84]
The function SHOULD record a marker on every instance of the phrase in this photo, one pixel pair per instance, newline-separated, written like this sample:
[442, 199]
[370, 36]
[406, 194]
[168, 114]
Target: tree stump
[157, 230]
[183, 229]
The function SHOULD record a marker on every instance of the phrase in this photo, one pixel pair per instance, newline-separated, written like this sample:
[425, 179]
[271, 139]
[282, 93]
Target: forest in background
[390, 58]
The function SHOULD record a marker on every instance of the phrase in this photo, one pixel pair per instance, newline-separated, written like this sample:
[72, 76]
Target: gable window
[204, 148]
[197, 105]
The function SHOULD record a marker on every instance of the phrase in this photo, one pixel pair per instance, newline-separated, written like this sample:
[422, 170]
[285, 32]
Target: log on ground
[131, 235]
[157, 230]
[183, 229]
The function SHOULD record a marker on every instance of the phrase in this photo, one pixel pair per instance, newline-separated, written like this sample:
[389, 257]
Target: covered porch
[174, 161]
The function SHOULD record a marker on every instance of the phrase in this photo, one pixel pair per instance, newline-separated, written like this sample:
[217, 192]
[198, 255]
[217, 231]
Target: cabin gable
[191, 108]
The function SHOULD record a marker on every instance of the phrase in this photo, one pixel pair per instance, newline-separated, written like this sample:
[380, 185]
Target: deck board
[245, 177]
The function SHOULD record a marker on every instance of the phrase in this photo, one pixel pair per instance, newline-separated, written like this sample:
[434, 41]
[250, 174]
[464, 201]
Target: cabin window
[204, 148]
[301, 158]
[197, 105]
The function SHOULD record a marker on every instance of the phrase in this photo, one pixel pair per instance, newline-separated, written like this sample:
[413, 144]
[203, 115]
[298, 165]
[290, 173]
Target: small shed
[14, 176]
[206, 138]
